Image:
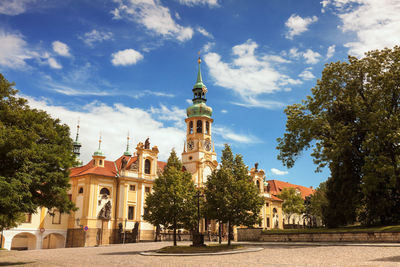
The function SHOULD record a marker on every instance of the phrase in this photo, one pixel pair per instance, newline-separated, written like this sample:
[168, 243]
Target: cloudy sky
[124, 66]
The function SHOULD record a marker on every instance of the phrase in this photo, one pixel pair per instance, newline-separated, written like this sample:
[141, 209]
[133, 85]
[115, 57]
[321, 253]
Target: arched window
[100, 162]
[80, 190]
[104, 191]
[258, 185]
[191, 127]
[199, 126]
[207, 127]
[147, 166]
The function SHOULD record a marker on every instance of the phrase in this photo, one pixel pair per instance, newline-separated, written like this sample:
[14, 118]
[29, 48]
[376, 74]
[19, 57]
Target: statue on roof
[147, 144]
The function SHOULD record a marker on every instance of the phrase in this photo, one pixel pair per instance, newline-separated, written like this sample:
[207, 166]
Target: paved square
[272, 255]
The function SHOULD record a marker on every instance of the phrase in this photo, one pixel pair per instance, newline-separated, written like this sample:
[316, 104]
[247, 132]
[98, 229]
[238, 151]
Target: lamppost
[199, 239]
[125, 230]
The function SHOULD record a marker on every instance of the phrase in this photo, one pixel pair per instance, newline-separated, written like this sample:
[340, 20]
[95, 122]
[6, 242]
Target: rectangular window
[131, 212]
[147, 189]
[268, 222]
[28, 218]
[56, 219]
[267, 204]
[132, 187]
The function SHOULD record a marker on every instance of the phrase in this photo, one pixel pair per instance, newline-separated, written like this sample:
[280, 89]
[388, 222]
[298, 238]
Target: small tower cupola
[77, 145]
[199, 107]
[127, 152]
[99, 156]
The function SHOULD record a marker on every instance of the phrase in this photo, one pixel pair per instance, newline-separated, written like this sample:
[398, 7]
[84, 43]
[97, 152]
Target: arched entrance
[23, 241]
[53, 241]
[275, 218]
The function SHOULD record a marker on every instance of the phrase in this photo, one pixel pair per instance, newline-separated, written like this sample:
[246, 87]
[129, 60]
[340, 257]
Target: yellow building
[110, 195]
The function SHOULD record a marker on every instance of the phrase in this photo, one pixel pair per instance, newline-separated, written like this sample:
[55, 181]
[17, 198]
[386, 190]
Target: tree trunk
[229, 233]
[220, 232]
[175, 232]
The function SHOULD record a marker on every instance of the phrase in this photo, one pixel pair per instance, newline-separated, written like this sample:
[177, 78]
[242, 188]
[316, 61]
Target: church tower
[199, 157]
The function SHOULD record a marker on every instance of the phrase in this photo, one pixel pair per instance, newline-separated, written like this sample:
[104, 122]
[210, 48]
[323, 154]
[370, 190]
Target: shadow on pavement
[126, 252]
[7, 263]
[390, 259]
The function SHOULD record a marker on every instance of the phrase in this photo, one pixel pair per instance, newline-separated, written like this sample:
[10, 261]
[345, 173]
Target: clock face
[190, 145]
[207, 145]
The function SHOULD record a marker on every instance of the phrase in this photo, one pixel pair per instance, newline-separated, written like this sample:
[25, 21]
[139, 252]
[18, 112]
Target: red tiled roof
[109, 168]
[277, 186]
[89, 168]
[161, 165]
[131, 160]
[276, 198]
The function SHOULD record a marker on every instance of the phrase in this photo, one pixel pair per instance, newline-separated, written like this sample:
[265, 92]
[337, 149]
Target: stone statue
[105, 212]
[123, 163]
[147, 144]
[135, 232]
[256, 165]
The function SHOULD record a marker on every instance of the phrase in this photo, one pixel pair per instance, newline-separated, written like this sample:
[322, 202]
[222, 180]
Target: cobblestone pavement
[273, 254]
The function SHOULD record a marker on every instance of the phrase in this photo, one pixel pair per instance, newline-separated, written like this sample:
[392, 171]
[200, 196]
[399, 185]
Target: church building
[110, 195]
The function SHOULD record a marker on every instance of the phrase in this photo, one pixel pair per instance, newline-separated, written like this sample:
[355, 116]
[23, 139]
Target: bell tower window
[199, 126]
[147, 165]
[191, 127]
[207, 127]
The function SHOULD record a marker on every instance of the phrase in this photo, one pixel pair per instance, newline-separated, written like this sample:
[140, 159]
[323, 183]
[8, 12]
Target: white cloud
[189, 101]
[294, 53]
[95, 36]
[249, 75]
[207, 47]
[211, 3]
[114, 122]
[126, 57]
[278, 172]
[376, 24]
[330, 52]
[153, 16]
[228, 134]
[14, 51]
[311, 57]
[307, 74]
[173, 114]
[14, 7]
[203, 31]
[61, 49]
[297, 25]
[53, 63]
[224, 111]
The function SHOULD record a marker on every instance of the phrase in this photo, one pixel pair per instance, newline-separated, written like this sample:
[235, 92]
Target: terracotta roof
[277, 186]
[109, 167]
[276, 198]
[89, 168]
[161, 165]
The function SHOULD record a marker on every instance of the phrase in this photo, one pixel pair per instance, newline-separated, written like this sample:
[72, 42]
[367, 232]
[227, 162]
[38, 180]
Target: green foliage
[292, 202]
[35, 157]
[319, 202]
[352, 120]
[231, 196]
[173, 202]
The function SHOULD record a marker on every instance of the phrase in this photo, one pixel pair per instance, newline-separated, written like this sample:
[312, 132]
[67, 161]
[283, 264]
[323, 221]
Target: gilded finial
[199, 60]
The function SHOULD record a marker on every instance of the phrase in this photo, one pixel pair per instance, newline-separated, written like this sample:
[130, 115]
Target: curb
[152, 253]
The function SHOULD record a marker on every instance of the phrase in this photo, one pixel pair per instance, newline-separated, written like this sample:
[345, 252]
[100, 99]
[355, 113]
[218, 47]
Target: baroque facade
[110, 195]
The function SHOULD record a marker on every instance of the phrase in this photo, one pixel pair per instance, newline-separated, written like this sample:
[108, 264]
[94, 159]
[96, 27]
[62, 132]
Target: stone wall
[355, 237]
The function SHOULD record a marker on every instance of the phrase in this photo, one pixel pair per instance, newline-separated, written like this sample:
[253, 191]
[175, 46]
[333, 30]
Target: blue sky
[124, 66]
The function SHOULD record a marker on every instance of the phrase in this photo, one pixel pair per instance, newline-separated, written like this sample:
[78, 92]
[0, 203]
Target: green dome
[199, 109]
[98, 153]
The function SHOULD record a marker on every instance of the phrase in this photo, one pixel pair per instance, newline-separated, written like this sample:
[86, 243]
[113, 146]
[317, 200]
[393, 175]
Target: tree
[35, 157]
[172, 203]
[352, 120]
[293, 203]
[231, 196]
[319, 202]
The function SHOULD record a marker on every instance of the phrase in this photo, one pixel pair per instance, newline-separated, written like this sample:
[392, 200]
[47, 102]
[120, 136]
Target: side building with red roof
[110, 197]
[275, 187]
